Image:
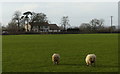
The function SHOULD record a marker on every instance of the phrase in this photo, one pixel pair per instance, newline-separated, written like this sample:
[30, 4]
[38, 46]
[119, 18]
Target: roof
[39, 24]
[54, 27]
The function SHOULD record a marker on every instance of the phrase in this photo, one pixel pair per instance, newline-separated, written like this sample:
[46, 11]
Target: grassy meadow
[32, 53]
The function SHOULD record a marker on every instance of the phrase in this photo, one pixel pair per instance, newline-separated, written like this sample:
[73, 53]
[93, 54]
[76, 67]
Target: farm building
[43, 27]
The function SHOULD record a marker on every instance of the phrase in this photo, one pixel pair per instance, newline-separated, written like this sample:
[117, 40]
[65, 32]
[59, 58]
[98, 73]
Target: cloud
[12, 7]
[78, 12]
[0, 12]
[28, 7]
[59, 0]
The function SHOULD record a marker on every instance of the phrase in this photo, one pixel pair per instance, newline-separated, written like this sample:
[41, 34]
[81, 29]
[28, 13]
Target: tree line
[19, 20]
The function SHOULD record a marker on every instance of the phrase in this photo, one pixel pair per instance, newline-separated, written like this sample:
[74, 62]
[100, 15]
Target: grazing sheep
[56, 58]
[90, 59]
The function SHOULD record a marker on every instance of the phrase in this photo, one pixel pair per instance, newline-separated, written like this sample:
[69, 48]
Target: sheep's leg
[94, 64]
[87, 63]
[57, 62]
[54, 62]
[90, 63]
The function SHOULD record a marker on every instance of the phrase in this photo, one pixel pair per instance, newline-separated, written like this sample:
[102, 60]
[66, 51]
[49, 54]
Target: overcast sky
[78, 12]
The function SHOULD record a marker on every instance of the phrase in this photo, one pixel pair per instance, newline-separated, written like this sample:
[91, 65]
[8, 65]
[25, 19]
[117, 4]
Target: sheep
[55, 58]
[90, 59]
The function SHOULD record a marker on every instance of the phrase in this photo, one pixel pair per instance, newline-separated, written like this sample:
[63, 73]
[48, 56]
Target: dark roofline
[54, 27]
[39, 23]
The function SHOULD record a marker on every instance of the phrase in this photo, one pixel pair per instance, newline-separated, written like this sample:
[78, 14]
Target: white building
[43, 27]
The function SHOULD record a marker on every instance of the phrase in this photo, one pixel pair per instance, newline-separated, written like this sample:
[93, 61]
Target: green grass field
[32, 53]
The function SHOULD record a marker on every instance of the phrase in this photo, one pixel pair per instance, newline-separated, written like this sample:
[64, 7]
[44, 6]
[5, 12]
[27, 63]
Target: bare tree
[96, 23]
[16, 18]
[65, 22]
[86, 27]
[0, 28]
[39, 17]
[12, 27]
[26, 18]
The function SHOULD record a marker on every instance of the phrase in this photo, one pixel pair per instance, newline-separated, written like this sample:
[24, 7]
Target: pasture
[32, 53]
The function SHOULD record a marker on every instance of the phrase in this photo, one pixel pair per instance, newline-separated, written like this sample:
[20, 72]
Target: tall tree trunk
[27, 24]
[18, 24]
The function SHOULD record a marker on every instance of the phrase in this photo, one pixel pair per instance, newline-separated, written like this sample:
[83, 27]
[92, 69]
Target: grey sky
[78, 12]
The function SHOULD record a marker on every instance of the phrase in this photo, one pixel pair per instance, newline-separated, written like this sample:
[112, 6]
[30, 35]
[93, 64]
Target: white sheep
[90, 59]
[55, 58]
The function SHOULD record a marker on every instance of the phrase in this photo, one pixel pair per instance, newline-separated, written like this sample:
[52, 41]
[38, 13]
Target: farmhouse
[44, 27]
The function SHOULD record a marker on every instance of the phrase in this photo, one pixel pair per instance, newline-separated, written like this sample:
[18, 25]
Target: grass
[32, 53]
[0, 54]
